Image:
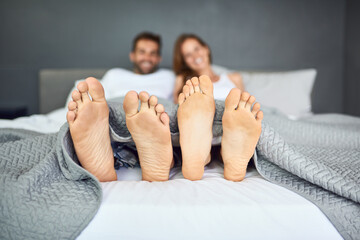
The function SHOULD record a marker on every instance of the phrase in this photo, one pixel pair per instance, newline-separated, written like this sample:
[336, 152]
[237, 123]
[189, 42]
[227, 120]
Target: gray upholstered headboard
[56, 84]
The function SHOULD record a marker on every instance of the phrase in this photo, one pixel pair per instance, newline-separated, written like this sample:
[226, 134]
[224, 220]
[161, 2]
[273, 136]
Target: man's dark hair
[147, 36]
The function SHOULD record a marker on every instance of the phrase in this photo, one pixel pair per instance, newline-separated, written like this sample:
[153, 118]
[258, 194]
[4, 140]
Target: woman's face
[195, 55]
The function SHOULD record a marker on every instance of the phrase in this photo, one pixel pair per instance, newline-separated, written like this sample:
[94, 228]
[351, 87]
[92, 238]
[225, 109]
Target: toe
[233, 98]
[131, 103]
[152, 102]
[259, 116]
[96, 90]
[206, 85]
[255, 109]
[165, 118]
[72, 106]
[195, 83]
[159, 109]
[144, 99]
[76, 96]
[70, 117]
[83, 90]
[249, 103]
[181, 98]
[191, 87]
[186, 91]
[243, 99]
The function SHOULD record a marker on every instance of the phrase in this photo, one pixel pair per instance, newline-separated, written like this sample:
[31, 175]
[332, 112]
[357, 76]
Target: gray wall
[246, 34]
[352, 59]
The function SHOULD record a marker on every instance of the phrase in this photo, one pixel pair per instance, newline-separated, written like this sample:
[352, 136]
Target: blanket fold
[318, 158]
[44, 193]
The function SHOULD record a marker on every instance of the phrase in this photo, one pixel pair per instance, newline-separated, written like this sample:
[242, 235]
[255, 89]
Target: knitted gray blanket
[318, 158]
[46, 194]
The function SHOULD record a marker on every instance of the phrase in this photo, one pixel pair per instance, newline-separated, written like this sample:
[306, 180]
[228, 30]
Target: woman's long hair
[179, 65]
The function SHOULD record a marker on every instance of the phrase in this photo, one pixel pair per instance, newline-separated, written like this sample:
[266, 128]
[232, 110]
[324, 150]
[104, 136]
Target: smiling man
[117, 82]
[146, 53]
[145, 76]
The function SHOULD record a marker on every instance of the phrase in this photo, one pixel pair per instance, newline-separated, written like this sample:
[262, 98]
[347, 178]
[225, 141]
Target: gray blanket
[318, 158]
[45, 194]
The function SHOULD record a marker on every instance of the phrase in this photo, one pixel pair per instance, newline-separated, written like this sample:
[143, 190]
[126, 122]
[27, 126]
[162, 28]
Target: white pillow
[289, 92]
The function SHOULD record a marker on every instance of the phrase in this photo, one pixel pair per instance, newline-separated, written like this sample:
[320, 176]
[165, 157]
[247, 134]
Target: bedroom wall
[352, 59]
[246, 34]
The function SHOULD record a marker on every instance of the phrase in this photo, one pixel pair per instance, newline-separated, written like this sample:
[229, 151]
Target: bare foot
[241, 132]
[89, 127]
[150, 131]
[195, 119]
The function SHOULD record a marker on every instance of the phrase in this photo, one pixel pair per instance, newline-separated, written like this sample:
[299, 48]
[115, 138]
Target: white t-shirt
[118, 81]
[223, 87]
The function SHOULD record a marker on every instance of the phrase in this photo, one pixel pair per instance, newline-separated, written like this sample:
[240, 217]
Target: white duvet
[212, 208]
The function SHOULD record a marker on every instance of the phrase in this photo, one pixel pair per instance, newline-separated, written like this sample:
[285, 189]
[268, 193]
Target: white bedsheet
[212, 208]
[45, 123]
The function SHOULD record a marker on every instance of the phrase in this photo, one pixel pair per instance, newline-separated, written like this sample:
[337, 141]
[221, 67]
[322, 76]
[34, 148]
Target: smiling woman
[192, 58]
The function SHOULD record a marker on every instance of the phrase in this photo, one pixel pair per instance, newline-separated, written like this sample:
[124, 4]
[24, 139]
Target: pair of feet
[149, 127]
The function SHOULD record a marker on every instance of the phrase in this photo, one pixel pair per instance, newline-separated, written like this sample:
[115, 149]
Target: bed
[212, 208]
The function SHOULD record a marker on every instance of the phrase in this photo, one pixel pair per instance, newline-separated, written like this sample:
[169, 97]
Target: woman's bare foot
[89, 127]
[241, 132]
[150, 131]
[195, 119]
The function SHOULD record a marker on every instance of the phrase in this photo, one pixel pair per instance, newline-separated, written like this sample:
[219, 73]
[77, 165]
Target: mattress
[212, 208]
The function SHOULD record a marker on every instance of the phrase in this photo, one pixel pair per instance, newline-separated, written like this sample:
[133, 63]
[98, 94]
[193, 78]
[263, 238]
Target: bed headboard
[56, 84]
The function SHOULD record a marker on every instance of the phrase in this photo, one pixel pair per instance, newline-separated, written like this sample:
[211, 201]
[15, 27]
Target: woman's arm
[179, 83]
[236, 78]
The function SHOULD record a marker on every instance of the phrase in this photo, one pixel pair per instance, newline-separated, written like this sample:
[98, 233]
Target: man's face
[145, 57]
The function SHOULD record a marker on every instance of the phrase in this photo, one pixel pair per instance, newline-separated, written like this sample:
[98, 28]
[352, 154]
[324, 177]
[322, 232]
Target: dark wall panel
[244, 34]
[352, 59]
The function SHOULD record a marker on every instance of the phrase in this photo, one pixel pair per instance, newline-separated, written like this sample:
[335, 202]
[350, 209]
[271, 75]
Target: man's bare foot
[195, 119]
[89, 127]
[241, 132]
[150, 131]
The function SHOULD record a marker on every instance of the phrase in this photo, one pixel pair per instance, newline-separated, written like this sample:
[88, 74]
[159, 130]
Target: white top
[223, 87]
[118, 81]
